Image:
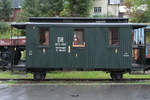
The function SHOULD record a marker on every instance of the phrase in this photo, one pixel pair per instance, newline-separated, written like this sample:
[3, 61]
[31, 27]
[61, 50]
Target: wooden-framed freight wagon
[78, 46]
[10, 50]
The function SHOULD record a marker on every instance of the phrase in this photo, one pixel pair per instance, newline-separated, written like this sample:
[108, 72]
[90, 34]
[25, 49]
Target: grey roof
[79, 19]
[133, 25]
[17, 3]
[76, 18]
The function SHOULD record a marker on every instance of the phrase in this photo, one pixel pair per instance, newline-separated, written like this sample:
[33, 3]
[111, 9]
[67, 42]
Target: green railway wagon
[78, 46]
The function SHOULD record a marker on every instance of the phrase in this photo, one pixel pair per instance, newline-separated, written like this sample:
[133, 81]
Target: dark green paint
[96, 54]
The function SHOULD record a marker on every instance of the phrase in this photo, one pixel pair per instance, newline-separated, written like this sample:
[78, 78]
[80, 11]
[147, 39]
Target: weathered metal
[13, 42]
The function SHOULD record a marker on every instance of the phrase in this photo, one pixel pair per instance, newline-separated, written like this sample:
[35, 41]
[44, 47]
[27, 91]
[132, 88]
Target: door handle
[69, 49]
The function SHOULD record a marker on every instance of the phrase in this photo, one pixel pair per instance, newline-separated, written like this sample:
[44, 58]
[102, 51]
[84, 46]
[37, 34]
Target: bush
[4, 27]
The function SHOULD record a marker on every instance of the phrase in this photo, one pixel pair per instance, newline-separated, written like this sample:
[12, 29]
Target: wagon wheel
[39, 75]
[116, 75]
[5, 58]
[6, 55]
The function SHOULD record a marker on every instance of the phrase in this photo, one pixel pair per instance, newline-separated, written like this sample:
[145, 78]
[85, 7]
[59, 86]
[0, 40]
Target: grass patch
[69, 75]
[78, 74]
[17, 75]
[136, 76]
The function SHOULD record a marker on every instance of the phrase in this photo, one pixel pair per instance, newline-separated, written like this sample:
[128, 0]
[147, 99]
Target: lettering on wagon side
[60, 45]
[126, 54]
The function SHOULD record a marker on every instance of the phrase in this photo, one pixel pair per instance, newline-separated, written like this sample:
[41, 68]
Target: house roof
[17, 3]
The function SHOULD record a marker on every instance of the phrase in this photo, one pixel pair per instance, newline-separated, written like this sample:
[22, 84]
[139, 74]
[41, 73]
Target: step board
[137, 69]
[137, 72]
[140, 72]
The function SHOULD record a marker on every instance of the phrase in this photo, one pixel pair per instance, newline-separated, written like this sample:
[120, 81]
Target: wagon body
[96, 54]
[78, 46]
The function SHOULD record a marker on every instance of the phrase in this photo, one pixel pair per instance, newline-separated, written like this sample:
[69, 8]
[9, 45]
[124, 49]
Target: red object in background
[14, 14]
[13, 42]
[148, 56]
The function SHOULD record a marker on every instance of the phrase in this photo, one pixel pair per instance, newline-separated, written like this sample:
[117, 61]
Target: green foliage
[6, 31]
[53, 8]
[40, 8]
[135, 13]
[65, 13]
[22, 17]
[4, 27]
[5, 9]
[77, 8]
[147, 13]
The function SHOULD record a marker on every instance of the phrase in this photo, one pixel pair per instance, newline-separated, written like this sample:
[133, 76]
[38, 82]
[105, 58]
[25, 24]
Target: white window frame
[114, 2]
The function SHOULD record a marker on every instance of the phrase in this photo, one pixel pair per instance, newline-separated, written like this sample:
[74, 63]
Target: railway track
[82, 80]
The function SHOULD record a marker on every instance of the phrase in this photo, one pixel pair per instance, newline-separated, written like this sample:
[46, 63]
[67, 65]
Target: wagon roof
[77, 19]
[133, 25]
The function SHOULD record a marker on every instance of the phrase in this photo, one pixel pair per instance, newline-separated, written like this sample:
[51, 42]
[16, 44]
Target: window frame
[83, 38]
[97, 9]
[39, 33]
[110, 37]
[110, 2]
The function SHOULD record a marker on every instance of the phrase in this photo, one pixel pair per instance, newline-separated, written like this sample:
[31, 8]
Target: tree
[134, 11]
[77, 8]
[5, 9]
[51, 7]
[3, 27]
[40, 8]
[147, 13]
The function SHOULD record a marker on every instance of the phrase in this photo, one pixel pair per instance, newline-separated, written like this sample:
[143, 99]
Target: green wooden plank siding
[96, 54]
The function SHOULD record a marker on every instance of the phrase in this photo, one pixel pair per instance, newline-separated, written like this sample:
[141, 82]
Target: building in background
[105, 8]
[16, 6]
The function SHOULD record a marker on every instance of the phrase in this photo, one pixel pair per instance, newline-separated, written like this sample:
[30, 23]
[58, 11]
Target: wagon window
[113, 36]
[44, 36]
[78, 38]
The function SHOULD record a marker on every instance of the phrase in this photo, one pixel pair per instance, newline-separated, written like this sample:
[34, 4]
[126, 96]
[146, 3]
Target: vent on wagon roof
[79, 19]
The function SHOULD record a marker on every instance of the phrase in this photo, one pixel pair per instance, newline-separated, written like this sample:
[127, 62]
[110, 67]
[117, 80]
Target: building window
[44, 36]
[97, 9]
[78, 38]
[113, 36]
[113, 2]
